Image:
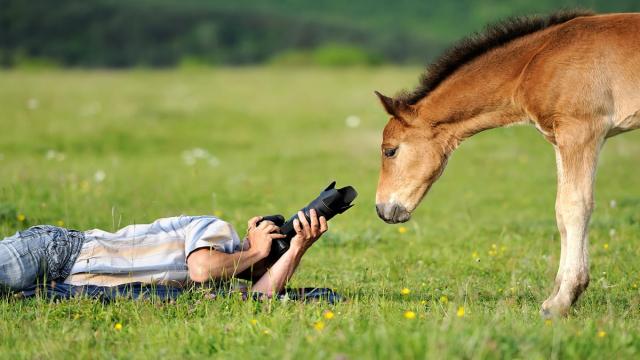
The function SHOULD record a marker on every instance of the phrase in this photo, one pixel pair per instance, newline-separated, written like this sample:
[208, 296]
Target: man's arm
[281, 272]
[208, 264]
[276, 277]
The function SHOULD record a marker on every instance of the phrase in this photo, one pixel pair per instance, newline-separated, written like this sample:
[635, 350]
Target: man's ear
[394, 107]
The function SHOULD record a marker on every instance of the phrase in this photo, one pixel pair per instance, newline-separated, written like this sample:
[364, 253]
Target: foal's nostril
[380, 210]
[402, 215]
[392, 213]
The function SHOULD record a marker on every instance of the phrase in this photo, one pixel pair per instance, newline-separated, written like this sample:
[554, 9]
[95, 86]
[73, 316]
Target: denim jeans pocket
[61, 252]
[31, 241]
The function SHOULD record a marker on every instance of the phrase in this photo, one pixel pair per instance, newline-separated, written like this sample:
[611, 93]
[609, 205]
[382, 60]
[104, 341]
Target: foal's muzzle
[393, 213]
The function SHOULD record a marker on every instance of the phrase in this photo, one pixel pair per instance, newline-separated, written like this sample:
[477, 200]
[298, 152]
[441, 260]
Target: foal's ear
[394, 107]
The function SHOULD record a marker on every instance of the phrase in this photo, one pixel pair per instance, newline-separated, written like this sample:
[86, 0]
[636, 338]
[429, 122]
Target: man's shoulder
[201, 221]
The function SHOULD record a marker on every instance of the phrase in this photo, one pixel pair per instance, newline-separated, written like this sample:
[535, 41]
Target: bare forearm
[279, 274]
[215, 265]
[307, 232]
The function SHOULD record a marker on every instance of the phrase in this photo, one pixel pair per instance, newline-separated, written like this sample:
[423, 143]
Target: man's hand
[261, 236]
[307, 233]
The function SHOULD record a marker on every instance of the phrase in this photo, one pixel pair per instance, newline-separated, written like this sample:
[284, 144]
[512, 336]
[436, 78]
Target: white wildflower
[54, 155]
[99, 176]
[190, 157]
[199, 153]
[613, 204]
[32, 104]
[352, 121]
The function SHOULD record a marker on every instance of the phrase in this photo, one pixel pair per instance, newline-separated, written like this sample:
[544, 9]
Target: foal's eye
[390, 152]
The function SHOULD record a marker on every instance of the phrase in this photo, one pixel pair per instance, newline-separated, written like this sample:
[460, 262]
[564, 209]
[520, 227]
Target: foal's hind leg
[578, 149]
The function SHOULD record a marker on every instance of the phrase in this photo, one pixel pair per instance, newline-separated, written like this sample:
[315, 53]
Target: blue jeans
[40, 253]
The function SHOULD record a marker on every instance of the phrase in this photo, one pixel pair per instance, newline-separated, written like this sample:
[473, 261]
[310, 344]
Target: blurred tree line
[162, 33]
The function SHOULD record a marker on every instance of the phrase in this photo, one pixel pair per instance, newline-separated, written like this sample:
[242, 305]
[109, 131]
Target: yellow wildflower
[601, 333]
[635, 286]
[217, 213]
[21, 217]
[60, 223]
[460, 311]
[117, 326]
[405, 291]
[444, 300]
[605, 246]
[266, 332]
[254, 321]
[474, 255]
[548, 322]
[329, 314]
[319, 325]
[402, 229]
[409, 315]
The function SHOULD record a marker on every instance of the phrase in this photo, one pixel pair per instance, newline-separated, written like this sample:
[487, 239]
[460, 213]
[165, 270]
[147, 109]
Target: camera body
[329, 203]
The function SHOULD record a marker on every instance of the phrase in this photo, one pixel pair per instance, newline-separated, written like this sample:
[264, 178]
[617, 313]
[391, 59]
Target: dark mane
[492, 37]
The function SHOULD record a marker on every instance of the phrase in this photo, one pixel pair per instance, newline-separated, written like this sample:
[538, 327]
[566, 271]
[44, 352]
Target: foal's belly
[625, 99]
[628, 123]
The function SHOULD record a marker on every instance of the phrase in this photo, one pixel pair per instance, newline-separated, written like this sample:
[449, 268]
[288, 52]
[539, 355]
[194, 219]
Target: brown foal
[575, 76]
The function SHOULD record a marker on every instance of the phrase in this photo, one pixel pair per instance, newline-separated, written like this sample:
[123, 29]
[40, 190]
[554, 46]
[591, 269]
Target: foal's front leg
[574, 205]
[561, 228]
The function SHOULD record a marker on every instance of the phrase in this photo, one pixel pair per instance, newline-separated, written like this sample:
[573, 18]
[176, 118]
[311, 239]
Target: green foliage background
[161, 33]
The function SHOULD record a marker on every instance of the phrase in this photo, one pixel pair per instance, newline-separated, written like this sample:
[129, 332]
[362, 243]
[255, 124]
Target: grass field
[105, 149]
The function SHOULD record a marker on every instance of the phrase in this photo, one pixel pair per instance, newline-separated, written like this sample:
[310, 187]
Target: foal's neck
[480, 95]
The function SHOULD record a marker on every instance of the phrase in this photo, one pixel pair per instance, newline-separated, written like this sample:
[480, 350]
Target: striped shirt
[153, 253]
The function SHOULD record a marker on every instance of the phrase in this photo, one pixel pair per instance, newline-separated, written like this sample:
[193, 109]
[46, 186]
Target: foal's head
[414, 154]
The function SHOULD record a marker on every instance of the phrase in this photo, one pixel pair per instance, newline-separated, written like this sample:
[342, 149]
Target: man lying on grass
[172, 251]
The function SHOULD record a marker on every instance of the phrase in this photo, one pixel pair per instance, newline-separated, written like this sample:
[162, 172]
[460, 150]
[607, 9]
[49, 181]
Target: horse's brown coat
[577, 81]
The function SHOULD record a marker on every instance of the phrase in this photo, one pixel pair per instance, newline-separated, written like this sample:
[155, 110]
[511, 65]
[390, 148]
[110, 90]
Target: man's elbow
[200, 267]
[199, 274]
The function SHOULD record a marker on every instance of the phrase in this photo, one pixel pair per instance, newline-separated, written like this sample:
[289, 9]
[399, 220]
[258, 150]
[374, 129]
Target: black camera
[329, 203]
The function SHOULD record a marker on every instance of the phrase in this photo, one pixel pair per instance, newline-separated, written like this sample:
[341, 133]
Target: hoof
[546, 314]
[554, 308]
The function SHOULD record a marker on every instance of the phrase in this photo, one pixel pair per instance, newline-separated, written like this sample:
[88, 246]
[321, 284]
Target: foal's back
[591, 66]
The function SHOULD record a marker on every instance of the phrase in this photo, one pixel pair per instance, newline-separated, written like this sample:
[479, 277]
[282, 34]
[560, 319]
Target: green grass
[280, 136]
